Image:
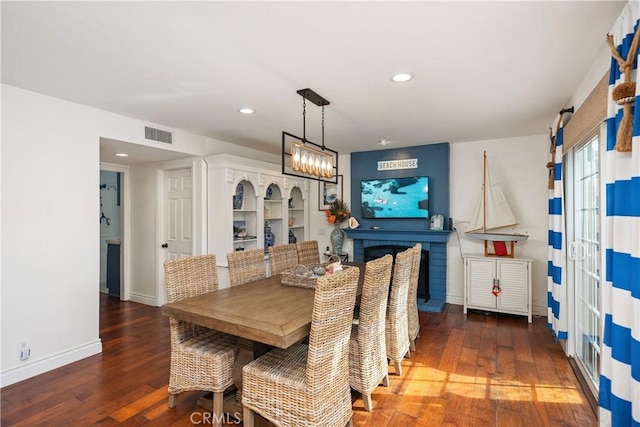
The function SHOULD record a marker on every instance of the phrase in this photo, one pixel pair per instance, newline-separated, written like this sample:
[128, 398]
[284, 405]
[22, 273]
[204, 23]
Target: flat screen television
[395, 198]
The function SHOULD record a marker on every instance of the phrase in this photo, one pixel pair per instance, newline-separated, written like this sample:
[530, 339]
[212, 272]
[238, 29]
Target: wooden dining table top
[263, 310]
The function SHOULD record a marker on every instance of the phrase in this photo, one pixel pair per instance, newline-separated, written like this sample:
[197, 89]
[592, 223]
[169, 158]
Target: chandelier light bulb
[296, 158]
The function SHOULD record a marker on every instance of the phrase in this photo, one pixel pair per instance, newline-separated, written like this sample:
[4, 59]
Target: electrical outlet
[24, 349]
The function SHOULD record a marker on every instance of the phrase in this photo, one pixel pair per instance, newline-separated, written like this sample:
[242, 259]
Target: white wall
[50, 242]
[143, 234]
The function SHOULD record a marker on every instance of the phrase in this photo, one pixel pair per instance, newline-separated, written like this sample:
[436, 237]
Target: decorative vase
[292, 237]
[269, 237]
[337, 239]
[237, 198]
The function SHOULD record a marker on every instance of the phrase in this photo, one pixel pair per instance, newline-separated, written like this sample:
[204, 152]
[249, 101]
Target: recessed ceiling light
[402, 77]
[246, 110]
[121, 154]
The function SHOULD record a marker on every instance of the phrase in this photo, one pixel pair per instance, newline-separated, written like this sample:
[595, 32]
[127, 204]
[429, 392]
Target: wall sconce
[303, 158]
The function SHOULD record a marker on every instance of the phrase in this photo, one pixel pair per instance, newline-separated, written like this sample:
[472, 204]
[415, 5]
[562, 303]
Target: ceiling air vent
[158, 135]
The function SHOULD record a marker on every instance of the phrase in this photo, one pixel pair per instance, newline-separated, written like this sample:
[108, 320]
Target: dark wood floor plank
[479, 369]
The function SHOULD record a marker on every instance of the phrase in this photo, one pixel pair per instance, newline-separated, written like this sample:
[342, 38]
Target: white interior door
[584, 254]
[178, 207]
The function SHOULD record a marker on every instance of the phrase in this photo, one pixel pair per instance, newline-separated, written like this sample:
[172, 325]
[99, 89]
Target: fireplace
[373, 252]
[434, 249]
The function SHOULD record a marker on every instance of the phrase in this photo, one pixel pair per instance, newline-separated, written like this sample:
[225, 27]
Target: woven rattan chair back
[246, 266]
[373, 303]
[368, 365]
[412, 298]
[308, 252]
[331, 320]
[190, 276]
[397, 331]
[282, 257]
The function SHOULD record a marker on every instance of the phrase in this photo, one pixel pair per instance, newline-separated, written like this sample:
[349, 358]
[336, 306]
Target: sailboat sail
[493, 212]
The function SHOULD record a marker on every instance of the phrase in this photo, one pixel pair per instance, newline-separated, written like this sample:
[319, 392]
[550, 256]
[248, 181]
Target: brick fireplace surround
[433, 241]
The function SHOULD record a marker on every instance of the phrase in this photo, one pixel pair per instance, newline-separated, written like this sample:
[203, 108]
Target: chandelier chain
[323, 127]
[304, 119]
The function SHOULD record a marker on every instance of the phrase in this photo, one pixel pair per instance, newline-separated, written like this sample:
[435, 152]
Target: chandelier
[306, 159]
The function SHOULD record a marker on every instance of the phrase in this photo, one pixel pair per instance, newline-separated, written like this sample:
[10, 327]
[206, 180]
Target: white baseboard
[143, 299]
[539, 310]
[37, 367]
[455, 300]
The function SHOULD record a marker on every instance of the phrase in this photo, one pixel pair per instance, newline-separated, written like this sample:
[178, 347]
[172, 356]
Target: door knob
[165, 245]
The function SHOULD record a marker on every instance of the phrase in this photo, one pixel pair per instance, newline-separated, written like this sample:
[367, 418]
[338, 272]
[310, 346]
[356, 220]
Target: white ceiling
[483, 70]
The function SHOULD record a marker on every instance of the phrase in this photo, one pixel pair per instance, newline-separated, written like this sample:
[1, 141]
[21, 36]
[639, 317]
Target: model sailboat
[493, 213]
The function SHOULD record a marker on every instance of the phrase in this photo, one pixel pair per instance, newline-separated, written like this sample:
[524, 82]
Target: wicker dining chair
[308, 385]
[201, 358]
[308, 252]
[396, 330]
[282, 257]
[246, 266]
[368, 365]
[412, 298]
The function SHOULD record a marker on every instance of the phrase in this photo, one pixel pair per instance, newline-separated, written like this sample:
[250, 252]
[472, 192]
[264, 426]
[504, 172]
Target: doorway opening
[114, 269]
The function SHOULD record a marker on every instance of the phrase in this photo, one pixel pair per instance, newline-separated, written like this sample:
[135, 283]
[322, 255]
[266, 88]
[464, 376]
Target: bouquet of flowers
[338, 211]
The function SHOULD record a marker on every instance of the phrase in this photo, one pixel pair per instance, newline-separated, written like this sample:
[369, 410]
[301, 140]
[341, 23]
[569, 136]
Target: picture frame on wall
[328, 192]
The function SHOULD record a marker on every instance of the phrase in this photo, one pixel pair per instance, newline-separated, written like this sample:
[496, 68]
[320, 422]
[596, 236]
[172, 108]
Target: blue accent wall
[433, 161]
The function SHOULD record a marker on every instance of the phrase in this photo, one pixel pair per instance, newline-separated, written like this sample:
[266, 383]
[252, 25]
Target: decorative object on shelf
[269, 237]
[329, 192]
[338, 212]
[291, 222]
[292, 237]
[290, 202]
[625, 93]
[239, 229]
[493, 212]
[306, 159]
[353, 223]
[237, 198]
[269, 193]
[437, 222]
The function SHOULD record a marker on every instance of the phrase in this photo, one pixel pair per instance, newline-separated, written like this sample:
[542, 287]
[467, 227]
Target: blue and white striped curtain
[556, 288]
[619, 398]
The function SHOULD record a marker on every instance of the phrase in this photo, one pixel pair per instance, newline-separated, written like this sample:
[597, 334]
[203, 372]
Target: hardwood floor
[475, 370]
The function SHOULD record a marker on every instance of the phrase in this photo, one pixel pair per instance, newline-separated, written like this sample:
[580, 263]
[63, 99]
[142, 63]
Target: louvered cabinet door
[479, 277]
[514, 284]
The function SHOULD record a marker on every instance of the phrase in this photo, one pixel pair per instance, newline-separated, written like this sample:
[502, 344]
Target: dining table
[263, 314]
